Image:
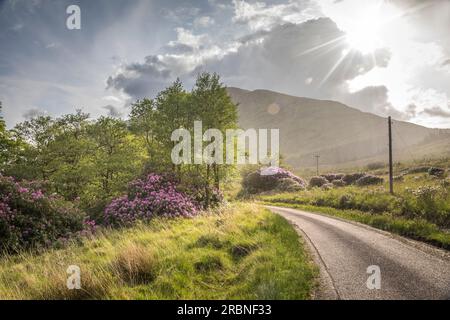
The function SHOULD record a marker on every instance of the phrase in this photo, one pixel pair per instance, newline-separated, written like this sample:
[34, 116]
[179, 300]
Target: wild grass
[238, 252]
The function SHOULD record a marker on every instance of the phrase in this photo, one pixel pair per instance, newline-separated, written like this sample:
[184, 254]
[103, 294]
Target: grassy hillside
[241, 252]
[340, 134]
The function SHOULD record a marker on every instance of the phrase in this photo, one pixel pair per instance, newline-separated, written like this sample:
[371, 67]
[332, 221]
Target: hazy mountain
[338, 133]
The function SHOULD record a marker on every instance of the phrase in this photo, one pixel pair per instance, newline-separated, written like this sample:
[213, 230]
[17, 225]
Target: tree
[117, 157]
[172, 112]
[6, 141]
[213, 106]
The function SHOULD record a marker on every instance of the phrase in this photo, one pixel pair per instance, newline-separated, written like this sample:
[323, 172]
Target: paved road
[345, 250]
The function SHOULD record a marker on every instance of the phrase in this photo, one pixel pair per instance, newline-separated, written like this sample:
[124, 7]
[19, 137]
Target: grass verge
[239, 252]
[417, 229]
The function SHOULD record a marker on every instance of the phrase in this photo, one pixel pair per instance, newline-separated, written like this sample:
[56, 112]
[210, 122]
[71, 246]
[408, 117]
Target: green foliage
[93, 160]
[80, 159]
[175, 108]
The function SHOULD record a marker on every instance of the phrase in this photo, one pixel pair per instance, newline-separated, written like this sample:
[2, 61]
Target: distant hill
[339, 134]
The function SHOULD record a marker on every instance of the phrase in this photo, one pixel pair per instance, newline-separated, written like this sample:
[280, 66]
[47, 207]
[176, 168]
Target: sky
[387, 57]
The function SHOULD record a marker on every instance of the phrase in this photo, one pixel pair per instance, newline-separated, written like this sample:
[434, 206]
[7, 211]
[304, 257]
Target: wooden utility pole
[391, 175]
[317, 163]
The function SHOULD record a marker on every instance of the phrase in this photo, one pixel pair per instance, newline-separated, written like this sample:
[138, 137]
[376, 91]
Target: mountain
[341, 135]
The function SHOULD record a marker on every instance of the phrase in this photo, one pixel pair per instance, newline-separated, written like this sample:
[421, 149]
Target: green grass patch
[239, 252]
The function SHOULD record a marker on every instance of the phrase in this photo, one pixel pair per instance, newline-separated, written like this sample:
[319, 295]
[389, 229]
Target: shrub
[317, 181]
[327, 186]
[422, 169]
[333, 176]
[152, 196]
[352, 177]
[375, 165]
[369, 180]
[31, 219]
[271, 179]
[288, 185]
[338, 183]
[436, 172]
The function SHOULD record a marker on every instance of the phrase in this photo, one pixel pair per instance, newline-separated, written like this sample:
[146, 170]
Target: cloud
[260, 16]
[141, 79]
[305, 59]
[436, 112]
[33, 113]
[291, 46]
[203, 22]
[113, 111]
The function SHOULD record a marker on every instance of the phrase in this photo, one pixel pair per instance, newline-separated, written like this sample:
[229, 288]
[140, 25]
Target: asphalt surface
[344, 251]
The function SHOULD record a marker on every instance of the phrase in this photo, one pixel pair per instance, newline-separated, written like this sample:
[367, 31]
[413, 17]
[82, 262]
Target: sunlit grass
[238, 252]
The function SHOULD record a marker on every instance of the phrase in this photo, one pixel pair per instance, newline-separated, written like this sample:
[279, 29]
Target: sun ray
[335, 66]
[341, 38]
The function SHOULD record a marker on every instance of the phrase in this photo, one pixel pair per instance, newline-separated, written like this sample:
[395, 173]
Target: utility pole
[317, 163]
[391, 175]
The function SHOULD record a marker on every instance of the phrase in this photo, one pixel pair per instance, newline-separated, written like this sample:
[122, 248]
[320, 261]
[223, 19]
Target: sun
[364, 33]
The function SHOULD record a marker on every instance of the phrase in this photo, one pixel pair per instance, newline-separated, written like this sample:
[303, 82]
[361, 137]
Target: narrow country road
[345, 250]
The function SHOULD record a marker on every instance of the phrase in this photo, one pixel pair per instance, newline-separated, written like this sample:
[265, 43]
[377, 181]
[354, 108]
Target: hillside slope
[338, 133]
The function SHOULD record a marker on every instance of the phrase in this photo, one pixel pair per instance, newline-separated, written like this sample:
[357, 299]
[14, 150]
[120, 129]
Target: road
[345, 250]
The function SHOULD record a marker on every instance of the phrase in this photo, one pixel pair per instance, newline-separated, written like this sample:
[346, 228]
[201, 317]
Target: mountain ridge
[338, 133]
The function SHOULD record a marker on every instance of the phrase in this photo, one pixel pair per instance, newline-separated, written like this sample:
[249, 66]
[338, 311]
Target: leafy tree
[117, 157]
[213, 106]
[6, 142]
[172, 112]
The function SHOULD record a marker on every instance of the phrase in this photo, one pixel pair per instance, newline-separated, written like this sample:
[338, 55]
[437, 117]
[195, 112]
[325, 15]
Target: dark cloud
[374, 99]
[436, 112]
[113, 111]
[139, 80]
[446, 63]
[33, 113]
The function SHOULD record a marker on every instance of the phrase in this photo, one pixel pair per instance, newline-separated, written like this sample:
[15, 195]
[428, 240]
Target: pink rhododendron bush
[31, 219]
[152, 196]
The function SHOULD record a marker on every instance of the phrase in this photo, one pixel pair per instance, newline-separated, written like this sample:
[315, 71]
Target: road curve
[344, 251]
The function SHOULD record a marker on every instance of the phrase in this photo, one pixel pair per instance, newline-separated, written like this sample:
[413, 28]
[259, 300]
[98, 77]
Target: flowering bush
[271, 179]
[31, 219]
[152, 196]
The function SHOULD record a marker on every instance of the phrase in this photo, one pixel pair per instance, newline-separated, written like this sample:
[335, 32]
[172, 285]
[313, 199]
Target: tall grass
[240, 252]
